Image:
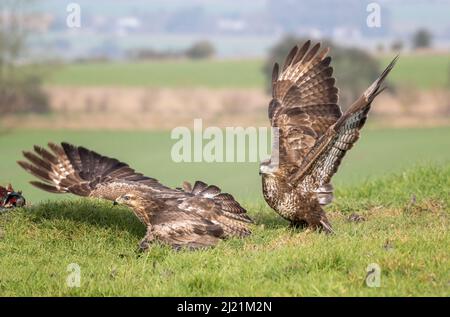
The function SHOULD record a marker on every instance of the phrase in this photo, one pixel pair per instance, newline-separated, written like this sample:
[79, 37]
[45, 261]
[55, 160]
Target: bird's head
[140, 201]
[14, 199]
[266, 167]
[129, 199]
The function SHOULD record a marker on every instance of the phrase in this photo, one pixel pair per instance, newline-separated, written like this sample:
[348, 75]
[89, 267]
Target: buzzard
[312, 135]
[192, 216]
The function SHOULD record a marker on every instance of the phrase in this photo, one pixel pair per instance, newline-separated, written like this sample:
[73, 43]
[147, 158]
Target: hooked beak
[118, 201]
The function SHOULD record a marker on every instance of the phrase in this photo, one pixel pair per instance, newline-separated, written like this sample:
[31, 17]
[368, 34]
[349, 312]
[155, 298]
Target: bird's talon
[143, 246]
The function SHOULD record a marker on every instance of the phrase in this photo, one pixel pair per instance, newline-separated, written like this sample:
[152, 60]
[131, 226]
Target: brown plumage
[313, 135]
[193, 217]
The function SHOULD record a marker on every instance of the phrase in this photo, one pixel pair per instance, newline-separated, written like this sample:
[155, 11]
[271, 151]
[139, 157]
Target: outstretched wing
[201, 218]
[185, 229]
[222, 209]
[74, 169]
[323, 160]
[304, 103]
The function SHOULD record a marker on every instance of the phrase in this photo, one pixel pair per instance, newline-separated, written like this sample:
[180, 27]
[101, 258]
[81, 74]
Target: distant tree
[149, 53]
[397, 46]
[354, 69]
[202, 49]
[422, 39]
[20, 87]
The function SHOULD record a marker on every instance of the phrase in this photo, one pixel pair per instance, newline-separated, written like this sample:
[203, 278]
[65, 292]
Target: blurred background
[118, 75]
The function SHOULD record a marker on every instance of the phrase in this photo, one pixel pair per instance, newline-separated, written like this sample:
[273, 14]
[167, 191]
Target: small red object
[9, 198]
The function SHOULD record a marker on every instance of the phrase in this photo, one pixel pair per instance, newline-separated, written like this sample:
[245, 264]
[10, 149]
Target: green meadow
[421, 71]
[378, 153]
[397, 179]
[183, 73]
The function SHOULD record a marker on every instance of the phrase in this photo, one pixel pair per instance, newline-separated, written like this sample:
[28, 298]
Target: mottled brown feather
[304, 84]
[324, 159]
[313, 135]
[201, 214]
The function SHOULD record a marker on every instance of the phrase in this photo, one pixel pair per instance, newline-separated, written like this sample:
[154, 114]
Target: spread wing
[73, 169]
[304, 103]
[208, 202]
[185, 229]
[325, 157]
[202, 218]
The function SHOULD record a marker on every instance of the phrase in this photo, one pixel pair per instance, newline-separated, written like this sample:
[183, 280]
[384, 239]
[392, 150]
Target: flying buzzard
[193, 216]
[313, 135]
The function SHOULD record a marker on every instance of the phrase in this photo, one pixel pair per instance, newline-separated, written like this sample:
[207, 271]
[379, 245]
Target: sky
[237, 28]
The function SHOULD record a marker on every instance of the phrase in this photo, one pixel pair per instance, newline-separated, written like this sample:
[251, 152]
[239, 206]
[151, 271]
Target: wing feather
[186, 230]
[304, 103]
[71, 169]
[322, 162]
[222, 209]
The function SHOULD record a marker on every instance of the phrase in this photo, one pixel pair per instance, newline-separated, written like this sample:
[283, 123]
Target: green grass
[410, 243]
[408, 240]
[208, 73]
[421, 71]
[379, 152]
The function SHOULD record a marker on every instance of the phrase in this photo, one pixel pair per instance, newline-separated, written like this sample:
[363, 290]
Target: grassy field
[421, 71]
[424, 71]
[408, 238]
[379, 152]
[208, 73]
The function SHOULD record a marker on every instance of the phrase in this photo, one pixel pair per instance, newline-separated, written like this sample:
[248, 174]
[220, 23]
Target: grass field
[186, 73]
[408, 238]
[379, 152]
[421, 71]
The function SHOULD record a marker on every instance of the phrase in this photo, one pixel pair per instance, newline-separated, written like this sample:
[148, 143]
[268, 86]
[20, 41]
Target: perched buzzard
[192, 217]
[10, 198]
[313, 135]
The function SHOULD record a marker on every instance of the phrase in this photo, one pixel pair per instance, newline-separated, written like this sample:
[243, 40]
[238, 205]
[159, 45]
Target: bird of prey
[10, 198]
[193, 216]
[312, 135]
